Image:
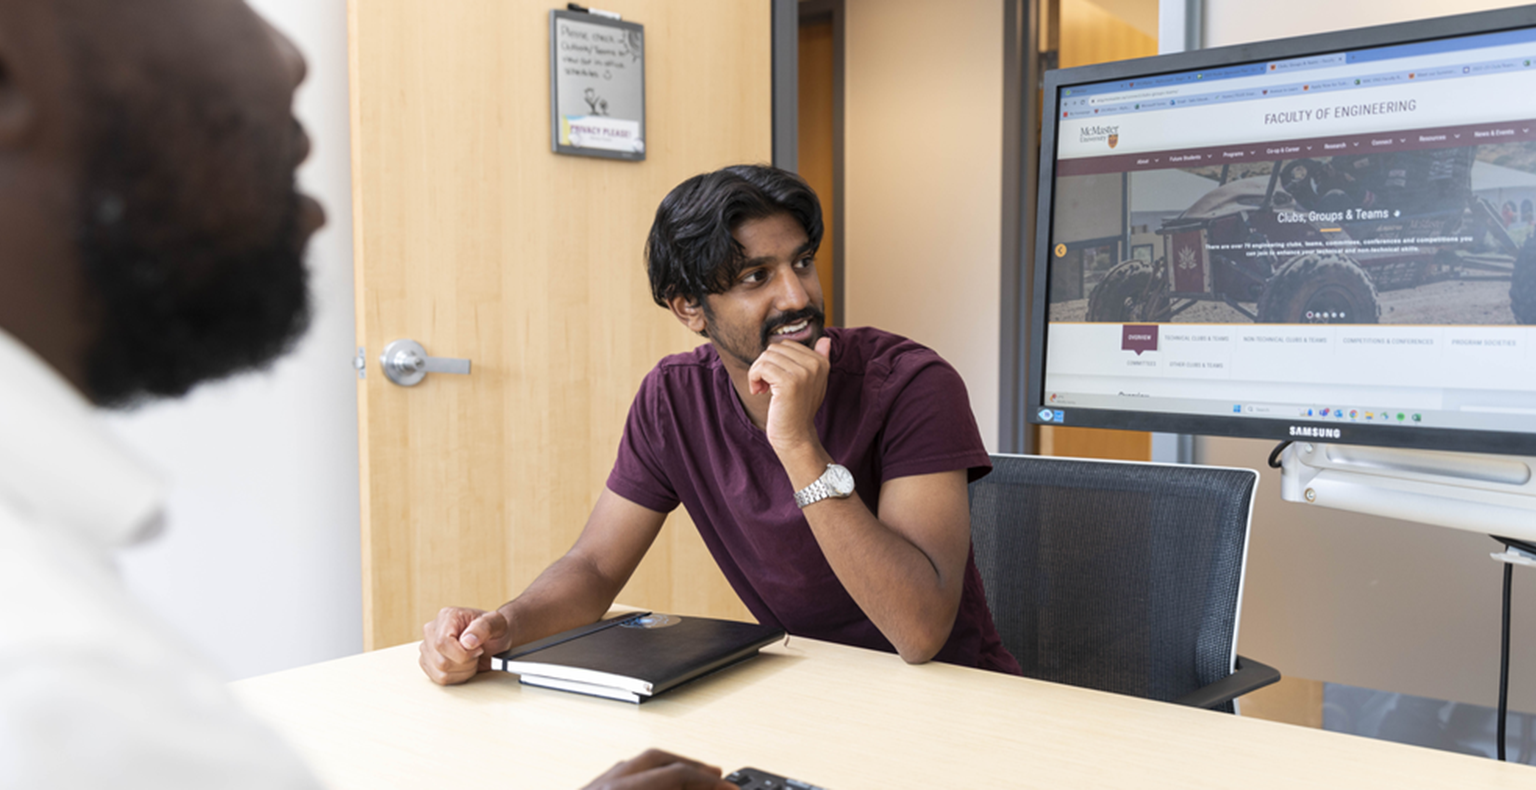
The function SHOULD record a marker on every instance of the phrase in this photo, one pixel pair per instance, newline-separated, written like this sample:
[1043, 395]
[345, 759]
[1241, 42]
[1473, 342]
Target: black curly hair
[691, 251]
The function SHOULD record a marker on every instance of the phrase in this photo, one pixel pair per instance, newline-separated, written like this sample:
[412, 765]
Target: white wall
[923, 181]
[260, 566]
[1357, 599]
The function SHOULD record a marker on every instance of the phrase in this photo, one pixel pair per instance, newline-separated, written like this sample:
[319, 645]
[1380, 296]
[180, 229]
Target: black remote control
[755, 779]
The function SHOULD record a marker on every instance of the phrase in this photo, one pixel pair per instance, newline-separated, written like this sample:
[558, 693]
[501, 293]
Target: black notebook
[634, 657]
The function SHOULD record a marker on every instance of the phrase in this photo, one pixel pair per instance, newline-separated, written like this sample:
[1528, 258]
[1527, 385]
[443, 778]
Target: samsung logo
[1316, 433]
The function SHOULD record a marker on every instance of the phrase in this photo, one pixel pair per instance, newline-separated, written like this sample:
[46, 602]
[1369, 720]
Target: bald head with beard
[151, 236]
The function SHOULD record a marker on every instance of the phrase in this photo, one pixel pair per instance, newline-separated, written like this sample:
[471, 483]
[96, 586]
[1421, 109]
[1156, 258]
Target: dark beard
[817, 318]
[192, 274]
[737, 347]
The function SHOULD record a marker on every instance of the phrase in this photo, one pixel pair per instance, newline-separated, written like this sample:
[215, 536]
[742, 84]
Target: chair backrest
[1124, 577]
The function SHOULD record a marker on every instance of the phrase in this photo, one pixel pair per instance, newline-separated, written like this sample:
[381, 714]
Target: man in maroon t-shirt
[765, 434]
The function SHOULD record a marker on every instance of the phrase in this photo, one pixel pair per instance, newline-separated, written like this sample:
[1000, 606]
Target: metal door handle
[406, 363]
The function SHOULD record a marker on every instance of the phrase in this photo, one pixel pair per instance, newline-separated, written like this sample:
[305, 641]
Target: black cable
[1509, 574]
[1510, 544]
[1274, 455]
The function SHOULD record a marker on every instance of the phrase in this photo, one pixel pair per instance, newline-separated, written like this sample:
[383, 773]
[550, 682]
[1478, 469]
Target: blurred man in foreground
[151, 238]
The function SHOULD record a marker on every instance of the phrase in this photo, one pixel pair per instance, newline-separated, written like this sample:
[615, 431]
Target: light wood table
[836, 716]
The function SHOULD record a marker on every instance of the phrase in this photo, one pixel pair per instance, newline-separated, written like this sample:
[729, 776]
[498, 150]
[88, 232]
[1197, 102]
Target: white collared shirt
[94, 691]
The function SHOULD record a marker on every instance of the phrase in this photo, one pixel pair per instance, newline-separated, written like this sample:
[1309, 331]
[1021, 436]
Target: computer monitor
[1328, 238]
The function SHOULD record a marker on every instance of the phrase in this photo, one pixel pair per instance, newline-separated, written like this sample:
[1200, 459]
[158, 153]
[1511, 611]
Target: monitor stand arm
[1478, 493]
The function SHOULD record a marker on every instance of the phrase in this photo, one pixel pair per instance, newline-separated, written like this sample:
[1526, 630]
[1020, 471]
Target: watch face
[840, 480]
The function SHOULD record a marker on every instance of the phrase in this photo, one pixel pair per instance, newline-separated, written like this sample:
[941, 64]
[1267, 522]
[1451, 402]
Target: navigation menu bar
[1315, 147]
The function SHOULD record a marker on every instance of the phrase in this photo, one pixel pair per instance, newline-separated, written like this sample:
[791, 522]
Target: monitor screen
[1324, 238]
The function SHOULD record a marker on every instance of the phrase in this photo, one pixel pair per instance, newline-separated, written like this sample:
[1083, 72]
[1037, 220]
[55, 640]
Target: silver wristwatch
[837, 482]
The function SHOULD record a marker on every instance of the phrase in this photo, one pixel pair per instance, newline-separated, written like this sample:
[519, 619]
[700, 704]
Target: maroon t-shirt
[893, 408]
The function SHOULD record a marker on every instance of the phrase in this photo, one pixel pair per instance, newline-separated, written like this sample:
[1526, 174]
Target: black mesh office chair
[1123, 577]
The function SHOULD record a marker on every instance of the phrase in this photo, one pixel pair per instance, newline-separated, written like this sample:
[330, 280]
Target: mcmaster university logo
[1109, 135]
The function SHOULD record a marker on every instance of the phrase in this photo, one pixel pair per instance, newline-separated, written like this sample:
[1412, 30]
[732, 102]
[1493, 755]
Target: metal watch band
[813, 493]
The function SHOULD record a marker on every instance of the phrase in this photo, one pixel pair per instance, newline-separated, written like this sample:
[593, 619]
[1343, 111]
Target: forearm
[580, 586]
[568, 594]
[905, 572]
[895, 583]
[903, 591]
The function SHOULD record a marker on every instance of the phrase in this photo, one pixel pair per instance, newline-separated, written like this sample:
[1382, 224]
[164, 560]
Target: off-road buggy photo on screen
[1316, 241]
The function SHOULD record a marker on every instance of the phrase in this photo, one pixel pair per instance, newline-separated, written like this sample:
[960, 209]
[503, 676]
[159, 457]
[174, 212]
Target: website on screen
[1345, 234]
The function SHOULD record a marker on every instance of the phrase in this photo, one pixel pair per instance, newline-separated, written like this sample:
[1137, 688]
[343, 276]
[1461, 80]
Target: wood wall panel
[1290, 701]
[818, 62]
[1089, 34]
[476, 240]
[1095, 443]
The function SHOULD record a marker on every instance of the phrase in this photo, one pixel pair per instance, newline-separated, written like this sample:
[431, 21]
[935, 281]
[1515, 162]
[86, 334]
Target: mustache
[810, 312]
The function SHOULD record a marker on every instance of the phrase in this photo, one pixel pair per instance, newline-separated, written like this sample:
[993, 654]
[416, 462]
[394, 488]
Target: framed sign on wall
[597, 86]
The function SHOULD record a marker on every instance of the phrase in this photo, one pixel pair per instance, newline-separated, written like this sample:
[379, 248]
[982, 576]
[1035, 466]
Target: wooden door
[475, 240]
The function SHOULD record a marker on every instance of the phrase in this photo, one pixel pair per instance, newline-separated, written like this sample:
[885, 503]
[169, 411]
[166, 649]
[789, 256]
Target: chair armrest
[1249, 676]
